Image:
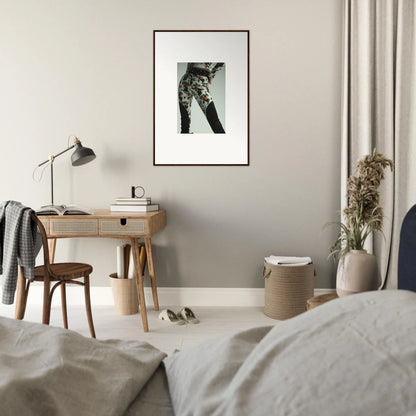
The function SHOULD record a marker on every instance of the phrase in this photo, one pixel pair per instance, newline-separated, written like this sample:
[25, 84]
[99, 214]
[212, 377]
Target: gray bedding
[52, 371]
[353, 356]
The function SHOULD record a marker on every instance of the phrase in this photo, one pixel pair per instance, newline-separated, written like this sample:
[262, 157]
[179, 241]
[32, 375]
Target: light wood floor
[215, 321]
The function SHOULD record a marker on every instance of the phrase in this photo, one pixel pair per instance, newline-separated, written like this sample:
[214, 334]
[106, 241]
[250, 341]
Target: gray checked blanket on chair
[18, 239]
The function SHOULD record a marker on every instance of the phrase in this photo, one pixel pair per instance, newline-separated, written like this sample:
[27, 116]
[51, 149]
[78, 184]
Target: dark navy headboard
[407, 252]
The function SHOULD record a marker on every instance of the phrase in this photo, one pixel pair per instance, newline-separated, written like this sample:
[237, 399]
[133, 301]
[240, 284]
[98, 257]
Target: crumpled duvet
[52, 371]
[351, 356]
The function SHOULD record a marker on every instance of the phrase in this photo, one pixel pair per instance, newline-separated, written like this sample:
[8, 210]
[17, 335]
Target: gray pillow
[351, 356]
[199, 377]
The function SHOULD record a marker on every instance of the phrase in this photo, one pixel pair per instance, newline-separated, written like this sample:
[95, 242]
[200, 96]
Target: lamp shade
[82, 155]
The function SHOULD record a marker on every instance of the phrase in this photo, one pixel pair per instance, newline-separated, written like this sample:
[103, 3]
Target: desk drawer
[68, 227]
[123, 226]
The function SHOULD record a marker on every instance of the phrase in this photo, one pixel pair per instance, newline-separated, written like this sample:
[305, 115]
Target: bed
[351, 356]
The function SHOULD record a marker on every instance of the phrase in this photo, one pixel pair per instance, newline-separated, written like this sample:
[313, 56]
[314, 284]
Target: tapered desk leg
[19, 310]
[148, 244]
[52, 247]
[139, 282]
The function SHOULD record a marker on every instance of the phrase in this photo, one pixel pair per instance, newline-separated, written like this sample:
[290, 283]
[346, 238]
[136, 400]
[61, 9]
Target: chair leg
[63, 303]
[88, 304]
[47, 300]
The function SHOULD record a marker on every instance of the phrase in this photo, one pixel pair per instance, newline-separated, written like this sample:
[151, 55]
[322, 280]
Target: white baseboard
[168, 296]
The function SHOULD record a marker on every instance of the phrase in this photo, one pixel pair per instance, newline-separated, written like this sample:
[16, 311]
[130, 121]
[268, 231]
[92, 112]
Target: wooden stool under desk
[120, 225]
[320, 300]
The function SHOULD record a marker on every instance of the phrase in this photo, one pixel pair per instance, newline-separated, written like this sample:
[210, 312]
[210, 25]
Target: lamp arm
[51, 158]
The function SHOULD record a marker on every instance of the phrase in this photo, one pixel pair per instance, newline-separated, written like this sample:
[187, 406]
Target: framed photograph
[200, 108]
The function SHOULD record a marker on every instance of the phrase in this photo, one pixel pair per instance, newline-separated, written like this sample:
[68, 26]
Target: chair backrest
[41, 228]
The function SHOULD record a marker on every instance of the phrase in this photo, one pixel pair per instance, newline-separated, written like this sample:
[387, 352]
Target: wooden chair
[62, 274]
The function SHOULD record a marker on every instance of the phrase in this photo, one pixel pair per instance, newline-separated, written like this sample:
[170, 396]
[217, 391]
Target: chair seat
[64, 271]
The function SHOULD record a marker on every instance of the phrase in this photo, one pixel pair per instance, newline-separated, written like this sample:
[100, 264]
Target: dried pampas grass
[363, 215]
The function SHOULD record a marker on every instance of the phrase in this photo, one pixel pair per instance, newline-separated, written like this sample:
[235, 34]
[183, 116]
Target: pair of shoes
[185, 315]
[170, 316]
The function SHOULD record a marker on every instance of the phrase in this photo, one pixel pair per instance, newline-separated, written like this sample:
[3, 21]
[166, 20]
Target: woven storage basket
[125, 295]
[287, 288]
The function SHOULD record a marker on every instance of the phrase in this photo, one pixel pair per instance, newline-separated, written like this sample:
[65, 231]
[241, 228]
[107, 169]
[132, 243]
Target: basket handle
[266, 272]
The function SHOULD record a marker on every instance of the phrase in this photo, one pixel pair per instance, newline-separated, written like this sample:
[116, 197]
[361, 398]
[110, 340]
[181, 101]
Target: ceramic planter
[357, 272]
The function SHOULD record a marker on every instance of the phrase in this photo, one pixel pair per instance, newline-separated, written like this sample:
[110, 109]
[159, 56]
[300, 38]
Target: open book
[63, 210]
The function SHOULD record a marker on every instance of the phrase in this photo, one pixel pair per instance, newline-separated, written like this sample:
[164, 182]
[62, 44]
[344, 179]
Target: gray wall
[84, 67]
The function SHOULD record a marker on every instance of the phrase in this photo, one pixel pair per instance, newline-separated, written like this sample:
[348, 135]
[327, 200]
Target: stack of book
[134, 205]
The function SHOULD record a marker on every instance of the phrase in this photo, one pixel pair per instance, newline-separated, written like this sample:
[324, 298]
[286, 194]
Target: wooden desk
[121, 225]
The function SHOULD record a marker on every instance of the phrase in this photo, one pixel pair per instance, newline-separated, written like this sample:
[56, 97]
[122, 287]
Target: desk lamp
[81, 156]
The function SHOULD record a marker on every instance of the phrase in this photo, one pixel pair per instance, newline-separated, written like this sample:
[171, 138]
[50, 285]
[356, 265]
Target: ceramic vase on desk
[357, 272]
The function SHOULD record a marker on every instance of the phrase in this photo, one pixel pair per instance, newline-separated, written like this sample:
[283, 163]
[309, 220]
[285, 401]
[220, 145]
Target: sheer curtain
[379, 110]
